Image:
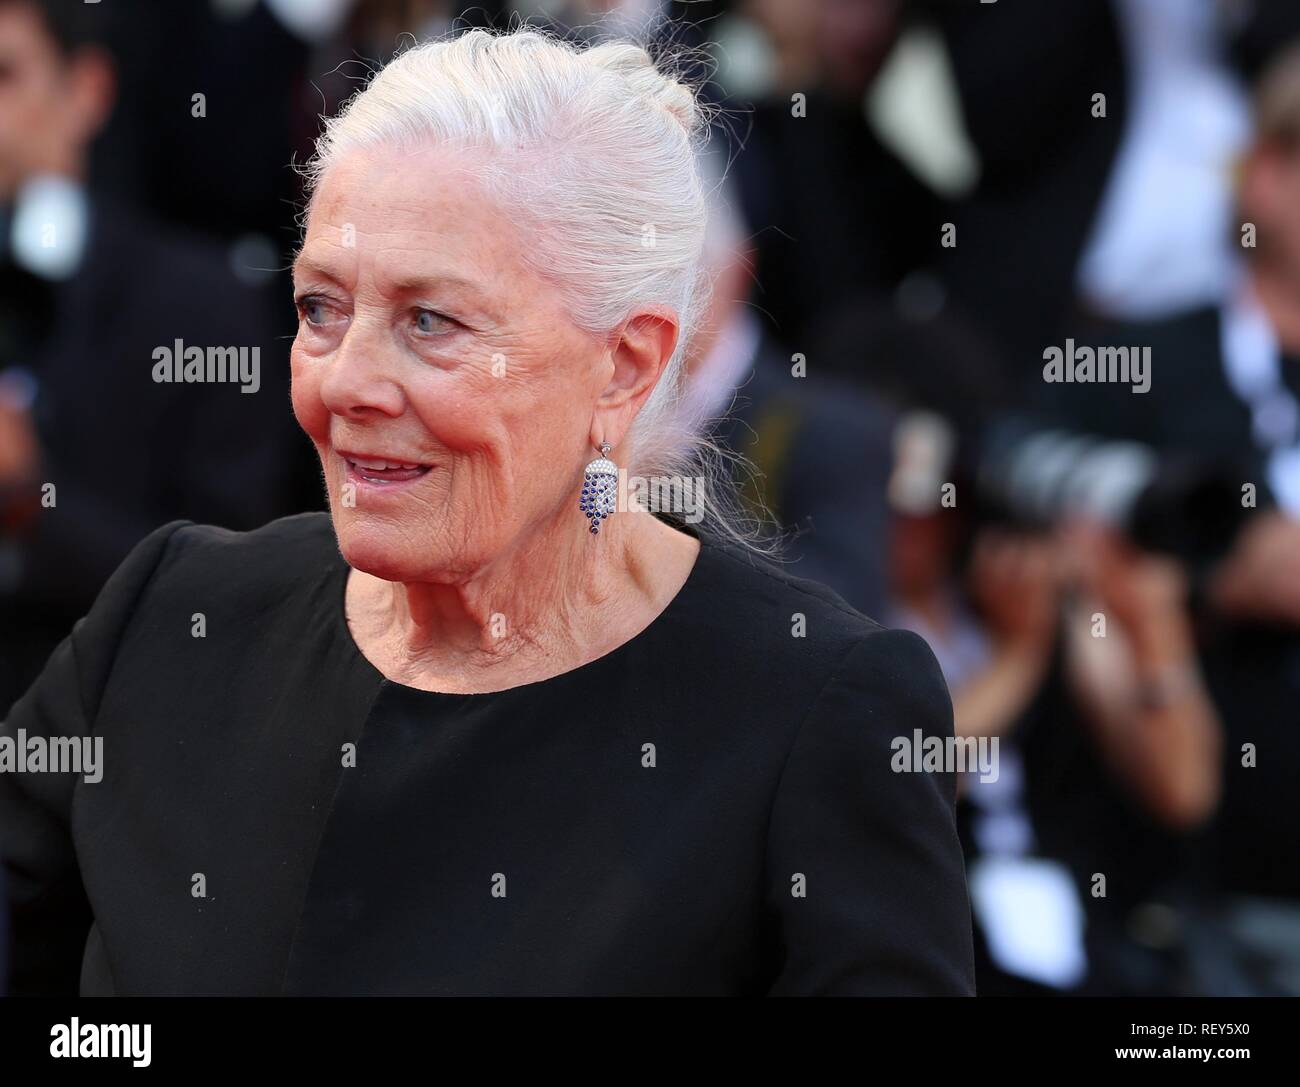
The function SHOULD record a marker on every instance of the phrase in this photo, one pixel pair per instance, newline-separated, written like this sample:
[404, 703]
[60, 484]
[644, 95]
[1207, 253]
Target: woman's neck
[552, 603]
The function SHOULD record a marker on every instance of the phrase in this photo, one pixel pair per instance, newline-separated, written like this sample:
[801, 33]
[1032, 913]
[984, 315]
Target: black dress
[707, 809]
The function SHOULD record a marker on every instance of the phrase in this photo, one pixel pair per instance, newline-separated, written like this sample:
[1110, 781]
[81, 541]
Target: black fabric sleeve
[49, 916]
[885, 910]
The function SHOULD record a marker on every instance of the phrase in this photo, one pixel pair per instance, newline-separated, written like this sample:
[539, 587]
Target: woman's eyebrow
[305, 265]
[476, 297]
[471, 292]
[412, 283]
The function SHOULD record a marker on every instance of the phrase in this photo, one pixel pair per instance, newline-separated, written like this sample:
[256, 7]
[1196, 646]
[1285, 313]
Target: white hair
[599, 150]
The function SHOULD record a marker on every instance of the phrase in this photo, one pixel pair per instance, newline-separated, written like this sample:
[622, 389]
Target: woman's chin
[384, 550]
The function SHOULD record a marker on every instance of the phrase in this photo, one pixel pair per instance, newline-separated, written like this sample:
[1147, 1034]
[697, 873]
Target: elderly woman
[488, 727]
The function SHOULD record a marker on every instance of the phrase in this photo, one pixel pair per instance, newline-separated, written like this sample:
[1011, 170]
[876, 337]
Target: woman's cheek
[458, 407]
[308, 407]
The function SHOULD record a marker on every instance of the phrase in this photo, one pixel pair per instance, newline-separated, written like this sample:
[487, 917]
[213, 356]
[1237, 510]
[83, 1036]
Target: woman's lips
[381, 470]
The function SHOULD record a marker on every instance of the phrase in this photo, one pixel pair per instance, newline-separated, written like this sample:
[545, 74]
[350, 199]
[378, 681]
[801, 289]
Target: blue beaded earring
[599, 488]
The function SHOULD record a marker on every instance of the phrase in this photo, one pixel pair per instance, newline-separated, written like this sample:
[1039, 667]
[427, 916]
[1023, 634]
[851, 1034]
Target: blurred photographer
[1074, 651]
[1204, 467]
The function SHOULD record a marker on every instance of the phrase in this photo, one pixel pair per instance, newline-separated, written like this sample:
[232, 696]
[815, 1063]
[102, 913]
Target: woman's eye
[431, 323]
[316, 311]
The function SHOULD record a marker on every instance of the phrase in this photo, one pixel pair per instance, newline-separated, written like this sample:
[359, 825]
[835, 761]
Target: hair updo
[598, 151]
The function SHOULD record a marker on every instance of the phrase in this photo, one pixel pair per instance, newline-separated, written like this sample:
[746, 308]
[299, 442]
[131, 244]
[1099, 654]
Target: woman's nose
[358, 376]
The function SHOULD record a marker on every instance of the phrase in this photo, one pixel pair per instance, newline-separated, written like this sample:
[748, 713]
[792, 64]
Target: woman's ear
[639, 350]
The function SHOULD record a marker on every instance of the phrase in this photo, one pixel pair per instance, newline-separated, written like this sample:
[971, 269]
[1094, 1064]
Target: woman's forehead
[409, 218]
[388, 180]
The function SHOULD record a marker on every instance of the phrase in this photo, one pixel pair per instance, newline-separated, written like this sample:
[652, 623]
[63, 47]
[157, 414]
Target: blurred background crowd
[916, 202]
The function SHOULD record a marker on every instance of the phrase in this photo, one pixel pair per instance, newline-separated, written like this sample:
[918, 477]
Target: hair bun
[643, 75]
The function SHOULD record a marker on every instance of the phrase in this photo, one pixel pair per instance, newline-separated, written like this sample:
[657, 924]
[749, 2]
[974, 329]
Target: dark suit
[1190, 407]
[1026, 72]
[4, 937]
[834, 212]
[822, 449]
[124, 452]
